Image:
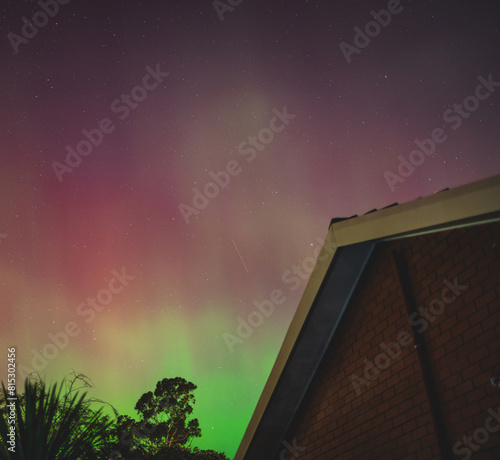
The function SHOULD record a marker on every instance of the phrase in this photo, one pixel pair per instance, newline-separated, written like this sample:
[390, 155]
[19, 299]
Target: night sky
[166, 166]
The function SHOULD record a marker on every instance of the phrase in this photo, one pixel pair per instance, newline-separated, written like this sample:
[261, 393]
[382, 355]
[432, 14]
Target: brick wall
[354, 410]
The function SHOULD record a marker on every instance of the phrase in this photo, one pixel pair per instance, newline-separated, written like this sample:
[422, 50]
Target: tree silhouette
[164, 415]
[60, 423]
[165, 429]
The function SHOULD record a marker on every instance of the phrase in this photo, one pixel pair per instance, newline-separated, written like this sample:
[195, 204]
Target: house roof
[348, 246]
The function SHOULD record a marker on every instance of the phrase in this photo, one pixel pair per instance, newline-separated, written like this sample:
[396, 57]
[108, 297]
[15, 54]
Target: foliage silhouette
[52, 424]
[165, 430]
[60, 423]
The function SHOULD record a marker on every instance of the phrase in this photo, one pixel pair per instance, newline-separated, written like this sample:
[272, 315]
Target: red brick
[485, 299]
[491, 282]
[472, 332]
[461, 344]
[474, 257]
[487, 260]
[462, 254]
[486, 337]
[460, 328]
[468, 236]
[472, 294]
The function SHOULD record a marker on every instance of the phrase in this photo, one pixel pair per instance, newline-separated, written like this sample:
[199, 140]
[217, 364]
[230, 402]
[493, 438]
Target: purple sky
[268, 97]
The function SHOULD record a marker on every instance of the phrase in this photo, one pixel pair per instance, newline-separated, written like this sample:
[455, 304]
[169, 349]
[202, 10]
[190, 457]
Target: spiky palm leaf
[49, 426]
